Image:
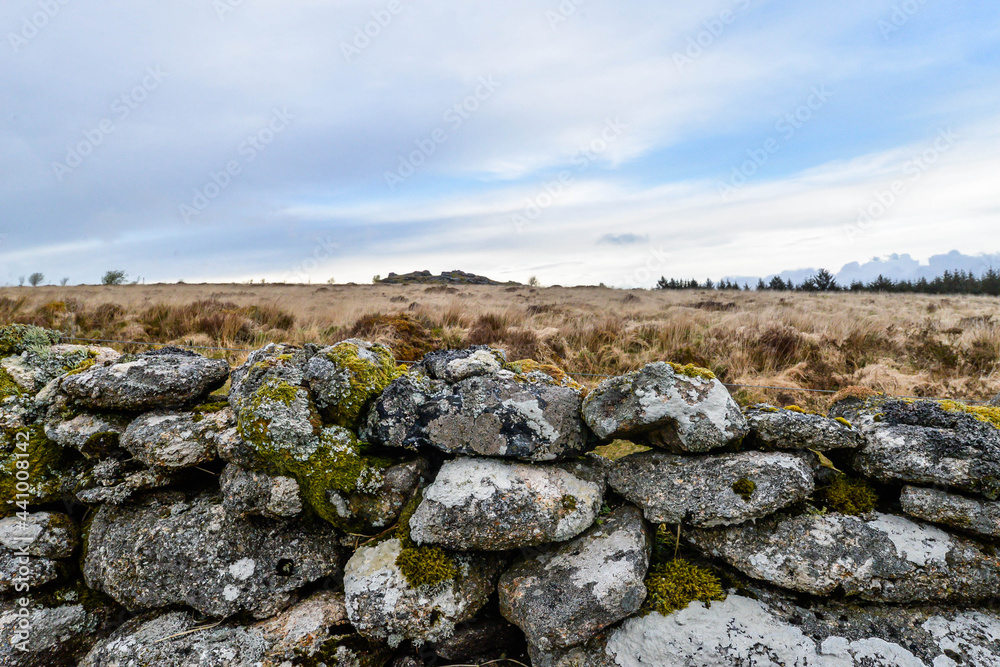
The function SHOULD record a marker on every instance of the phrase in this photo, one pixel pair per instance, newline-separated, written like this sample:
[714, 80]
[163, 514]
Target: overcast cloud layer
[581, 141]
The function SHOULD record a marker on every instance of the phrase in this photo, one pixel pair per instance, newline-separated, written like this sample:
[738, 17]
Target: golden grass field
[902, 344]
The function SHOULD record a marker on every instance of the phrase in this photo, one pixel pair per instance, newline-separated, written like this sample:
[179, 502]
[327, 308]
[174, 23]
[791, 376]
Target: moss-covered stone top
[345, 378]
[690, 370]
[987, 414]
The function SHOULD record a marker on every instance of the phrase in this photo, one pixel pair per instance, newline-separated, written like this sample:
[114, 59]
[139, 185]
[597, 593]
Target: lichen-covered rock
[528, 416]
[995, 401]
[383, 606]
[29, 458]
[774, 428]
[172, 440]
[32, 369]
[279, 420]
[114, 481]
[884, 557]
[314, 631]
[479, 641]
[565, 595]
[927, 442]
[95, 435]
[163, 378]
[166, 550]
[40, 534]
[710, 491]
[679, 408]
[17, 570]
[54, 629]
[746, 631]
[345, 378]
[975, 516]
[490, 505]
[278, 362]
[456, 365]
[248, 492]
[380, 506]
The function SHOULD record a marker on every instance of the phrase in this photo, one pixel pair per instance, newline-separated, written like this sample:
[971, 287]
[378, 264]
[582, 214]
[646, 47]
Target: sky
[579, 141]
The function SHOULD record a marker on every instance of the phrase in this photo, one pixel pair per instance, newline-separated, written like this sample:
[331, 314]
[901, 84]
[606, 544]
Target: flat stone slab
[167, 550]
[157, 379]
[491, 505]
[975, 516]
[668, 408]
[778, 428]
[708, 491]
[172, 440]
[565, 595]
[884, 557]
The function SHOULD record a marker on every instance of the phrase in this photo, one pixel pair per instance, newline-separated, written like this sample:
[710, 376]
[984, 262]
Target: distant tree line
[950, 282]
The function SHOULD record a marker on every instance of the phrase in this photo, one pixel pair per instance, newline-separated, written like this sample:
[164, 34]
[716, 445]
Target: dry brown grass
[903, 344]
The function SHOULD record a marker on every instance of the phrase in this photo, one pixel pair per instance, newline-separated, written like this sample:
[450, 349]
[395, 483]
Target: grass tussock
[908, 344]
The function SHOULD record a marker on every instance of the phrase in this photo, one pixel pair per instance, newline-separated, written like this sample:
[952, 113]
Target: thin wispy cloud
[490, 138]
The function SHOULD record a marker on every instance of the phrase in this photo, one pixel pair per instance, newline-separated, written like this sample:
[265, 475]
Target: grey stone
[777, 428]
[528, 416]
[665, 408]
[938, 506]
[94, 435]
[60, 628]
[457, 365]
[704, 491]
[566, 594]
[883, 557]
[114, 481]
[173, 440]
[34, 369]
[18, 570]
[995, 401]
[41, 534]
[746, 631]
[167, 550]
[490, 505]
[279, 417]
[275, 361]
[921, 442]
[248, 492]
[158, 379]
[479, 640]
[380, 505]
[382, 606]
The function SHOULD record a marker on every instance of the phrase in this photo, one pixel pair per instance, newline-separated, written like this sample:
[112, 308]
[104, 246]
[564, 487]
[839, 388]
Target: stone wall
[324, 506]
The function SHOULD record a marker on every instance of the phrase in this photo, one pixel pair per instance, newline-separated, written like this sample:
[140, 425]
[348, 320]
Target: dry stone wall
[320, 505]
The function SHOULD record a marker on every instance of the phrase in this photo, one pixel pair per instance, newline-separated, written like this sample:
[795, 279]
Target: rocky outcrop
[490, 505]
[680, 408]
[707, 491]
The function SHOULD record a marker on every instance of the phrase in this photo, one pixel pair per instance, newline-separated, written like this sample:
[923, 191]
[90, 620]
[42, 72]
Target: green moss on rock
[744, 488]
[988, 415]
[673, 585]
[850, 496]
[421, 565]
[39, 466]
[8, 387]
[362, 374]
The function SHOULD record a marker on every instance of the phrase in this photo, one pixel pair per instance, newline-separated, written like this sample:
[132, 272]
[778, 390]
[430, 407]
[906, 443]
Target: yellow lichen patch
[989, 415]
[675, 584]
[84, 365]
[367, 371]
[690, 370]
[843, 421]
[850, 496]
[618, 449]
[801, 411]
[553, 371]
